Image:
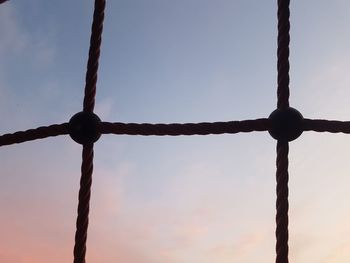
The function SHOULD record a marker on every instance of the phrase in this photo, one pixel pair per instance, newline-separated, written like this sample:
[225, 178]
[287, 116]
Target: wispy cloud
[104, 108]
[16, 38]
[22, 56]
[324, 90]
[13, 38]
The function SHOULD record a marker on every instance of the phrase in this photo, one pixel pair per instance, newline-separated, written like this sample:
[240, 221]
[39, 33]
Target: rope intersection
[282, 125]
[173, 129]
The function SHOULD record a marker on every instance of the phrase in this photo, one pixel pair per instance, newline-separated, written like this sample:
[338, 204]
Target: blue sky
[184, 199]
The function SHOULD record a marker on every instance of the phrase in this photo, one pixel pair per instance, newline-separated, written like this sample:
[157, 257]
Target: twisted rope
[83, 206]
[88, 106]
[326, 126]
[282, 202]
[173, 129]
[34, 134]
[94, 55]
[176, 129]
[283, 40]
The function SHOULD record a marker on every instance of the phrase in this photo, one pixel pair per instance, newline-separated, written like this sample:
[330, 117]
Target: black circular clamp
[83, 127]
[286, 124]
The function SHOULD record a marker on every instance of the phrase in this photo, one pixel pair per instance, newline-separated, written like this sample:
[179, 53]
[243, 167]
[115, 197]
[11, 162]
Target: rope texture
[173, 129]
[94, 55]
[283, 40]
[88, 152]
[83, 205]
[176, 129]
[282, 205]
[34, 134]
[326, 126]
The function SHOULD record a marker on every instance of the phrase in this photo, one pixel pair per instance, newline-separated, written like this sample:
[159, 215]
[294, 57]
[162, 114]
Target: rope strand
[283, 40]
[282, 205]
[173, 129]
[94, 55]
[34, 134]
[326, 126]
[84, 204]
[176, 129]
[88, 149]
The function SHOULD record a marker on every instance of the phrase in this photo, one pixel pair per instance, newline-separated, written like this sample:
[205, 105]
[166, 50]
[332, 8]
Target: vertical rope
[283, 40]
[88, 149]
[282, 176]
[83, 206]
[94, 54]
[282, 205]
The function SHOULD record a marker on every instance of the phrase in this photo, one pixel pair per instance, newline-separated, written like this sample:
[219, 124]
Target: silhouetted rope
[34, 134]
[173, 129]
[326, 126]
[88, 106]
[176, 129]
[83, 206]
[283, 125]
[283, 40]
[94, 55]
[282, 202]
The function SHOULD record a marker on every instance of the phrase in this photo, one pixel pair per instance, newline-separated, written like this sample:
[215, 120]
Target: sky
[173, 199]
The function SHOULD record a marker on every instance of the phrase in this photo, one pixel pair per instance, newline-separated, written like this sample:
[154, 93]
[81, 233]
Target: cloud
[323, 91]
[181, 226]
[24, 55]
[16, 39]
[104, 108]
[13, 38]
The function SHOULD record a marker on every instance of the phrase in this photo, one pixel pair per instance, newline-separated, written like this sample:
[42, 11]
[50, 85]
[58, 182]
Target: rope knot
[83, 127]
[286, 124]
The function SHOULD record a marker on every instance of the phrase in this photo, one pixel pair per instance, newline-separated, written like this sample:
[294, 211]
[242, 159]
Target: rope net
[284, 124]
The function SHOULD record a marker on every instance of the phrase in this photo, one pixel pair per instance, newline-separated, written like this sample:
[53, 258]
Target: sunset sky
[164, 199]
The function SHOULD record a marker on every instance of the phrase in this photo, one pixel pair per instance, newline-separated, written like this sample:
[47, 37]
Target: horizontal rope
[173, 129]
[326, 126]
[176, 129]
[34, 134]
